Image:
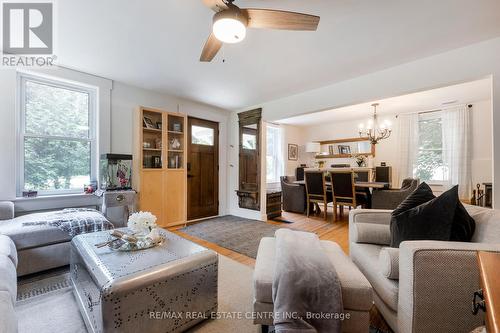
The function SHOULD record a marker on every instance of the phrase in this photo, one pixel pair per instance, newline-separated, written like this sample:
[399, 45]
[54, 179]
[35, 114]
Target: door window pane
[56, 111]
[51, 164]
[202, 135]
[249, 141]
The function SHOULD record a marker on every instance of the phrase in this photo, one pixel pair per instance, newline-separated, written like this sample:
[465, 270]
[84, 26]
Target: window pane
[270, 169]
[202, 135]
[249, 141]
[56, 164]
[56, 111]
[430, 155]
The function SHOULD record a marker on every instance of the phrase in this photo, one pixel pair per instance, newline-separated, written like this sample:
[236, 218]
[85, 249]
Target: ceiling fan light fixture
[230, 26]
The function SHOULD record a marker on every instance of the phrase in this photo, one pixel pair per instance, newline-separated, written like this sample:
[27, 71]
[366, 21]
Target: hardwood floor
[327, 230]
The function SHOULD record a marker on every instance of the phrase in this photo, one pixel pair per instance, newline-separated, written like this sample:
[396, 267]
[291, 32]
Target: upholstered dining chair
[344, 192]
[391, 198]
[316, 191]
[294, 195]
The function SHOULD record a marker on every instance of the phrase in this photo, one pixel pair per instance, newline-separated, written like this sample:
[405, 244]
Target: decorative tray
[143, 242]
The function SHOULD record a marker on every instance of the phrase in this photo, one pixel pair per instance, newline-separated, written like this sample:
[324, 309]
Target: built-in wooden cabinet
[160, 161]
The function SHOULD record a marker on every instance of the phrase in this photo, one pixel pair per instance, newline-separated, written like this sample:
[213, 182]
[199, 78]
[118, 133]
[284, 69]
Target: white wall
[294, 135]
[117, 102]
[482, 142]
[465, 64]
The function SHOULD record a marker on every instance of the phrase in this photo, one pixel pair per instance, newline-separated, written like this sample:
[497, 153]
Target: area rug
[234, 233]
[47, 304]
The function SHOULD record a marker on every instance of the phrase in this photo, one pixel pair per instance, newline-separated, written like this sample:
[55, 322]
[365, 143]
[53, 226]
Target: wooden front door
[203, 168]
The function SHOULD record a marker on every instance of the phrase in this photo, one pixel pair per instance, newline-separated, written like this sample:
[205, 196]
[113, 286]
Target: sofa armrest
[6, 210]
[370, 226]
[436, 284]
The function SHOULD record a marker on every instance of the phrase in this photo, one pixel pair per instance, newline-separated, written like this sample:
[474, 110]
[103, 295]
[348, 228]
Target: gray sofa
[424, 286]
[8, 285]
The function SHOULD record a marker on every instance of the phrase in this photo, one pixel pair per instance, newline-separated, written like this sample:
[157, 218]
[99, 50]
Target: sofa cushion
[432, 220]
[28, 236]
[356, 290]
[365, 256]
[388, 261]
[373, 233]
[8, 277]
[487, 224]
[8, 248]
[8, 320]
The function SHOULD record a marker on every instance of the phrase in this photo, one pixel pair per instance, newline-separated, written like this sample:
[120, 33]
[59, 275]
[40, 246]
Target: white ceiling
[464, 93]
[156, 44]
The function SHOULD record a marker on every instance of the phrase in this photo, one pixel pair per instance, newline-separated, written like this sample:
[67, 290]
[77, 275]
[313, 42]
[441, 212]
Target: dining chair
[316, 191]
[344, 192]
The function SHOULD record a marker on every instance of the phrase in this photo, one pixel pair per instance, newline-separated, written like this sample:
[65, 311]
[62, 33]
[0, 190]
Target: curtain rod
[436, 110]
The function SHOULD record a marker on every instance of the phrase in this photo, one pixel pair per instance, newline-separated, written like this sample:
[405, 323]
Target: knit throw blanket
[307, 294]
[74, 221]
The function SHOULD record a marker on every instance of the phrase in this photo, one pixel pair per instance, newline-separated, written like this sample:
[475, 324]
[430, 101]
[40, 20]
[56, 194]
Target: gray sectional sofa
[8, 285]
[423, 286]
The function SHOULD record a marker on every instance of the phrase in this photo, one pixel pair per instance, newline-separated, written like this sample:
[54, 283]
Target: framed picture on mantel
[293, 152]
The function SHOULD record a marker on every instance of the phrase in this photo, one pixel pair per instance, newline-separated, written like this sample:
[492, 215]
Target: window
[202, 135]
[274, 154]
[429, 162]
[57, 140]
[249, 141]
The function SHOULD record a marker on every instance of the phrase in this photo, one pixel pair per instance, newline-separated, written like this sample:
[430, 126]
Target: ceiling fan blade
[216, 5]
[212, 46]
[278, 19]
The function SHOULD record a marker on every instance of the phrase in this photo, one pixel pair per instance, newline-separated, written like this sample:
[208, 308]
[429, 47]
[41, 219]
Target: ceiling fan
[231, 22]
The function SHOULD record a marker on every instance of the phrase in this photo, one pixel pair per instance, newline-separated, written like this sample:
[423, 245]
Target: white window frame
[430, 116]
[279, 157]
[22, 78]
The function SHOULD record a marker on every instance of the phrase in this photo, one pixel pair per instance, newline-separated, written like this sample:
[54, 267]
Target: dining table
[366, 187]
[369, 185]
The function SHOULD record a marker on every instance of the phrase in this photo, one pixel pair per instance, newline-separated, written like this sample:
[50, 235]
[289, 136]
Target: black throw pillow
[432, 220]
[422, 194]
[463, 225]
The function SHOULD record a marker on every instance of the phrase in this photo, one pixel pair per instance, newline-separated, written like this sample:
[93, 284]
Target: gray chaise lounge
[39, 247]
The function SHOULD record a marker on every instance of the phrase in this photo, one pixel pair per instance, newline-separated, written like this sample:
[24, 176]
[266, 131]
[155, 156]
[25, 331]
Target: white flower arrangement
[142, 221]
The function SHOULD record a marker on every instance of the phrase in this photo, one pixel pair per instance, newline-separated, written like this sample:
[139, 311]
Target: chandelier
[373, 130]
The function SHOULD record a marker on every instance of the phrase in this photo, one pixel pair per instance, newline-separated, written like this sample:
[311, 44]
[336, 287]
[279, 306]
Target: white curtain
[456, 154]
[407, 145]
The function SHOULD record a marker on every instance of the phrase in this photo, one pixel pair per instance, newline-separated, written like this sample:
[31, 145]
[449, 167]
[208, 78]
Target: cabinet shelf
[175, 151]
[175, 132]
[152, 149]
[154, 130]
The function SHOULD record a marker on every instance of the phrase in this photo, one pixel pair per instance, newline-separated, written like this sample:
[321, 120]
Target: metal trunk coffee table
[168, 288]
